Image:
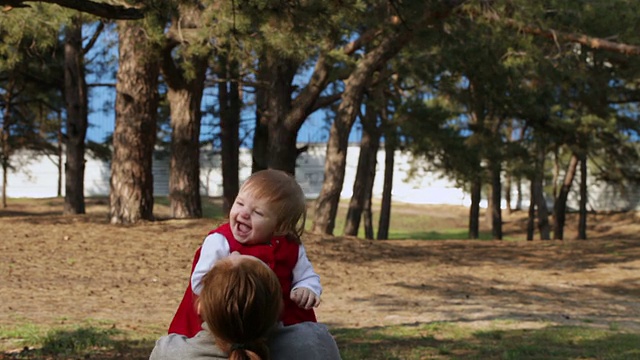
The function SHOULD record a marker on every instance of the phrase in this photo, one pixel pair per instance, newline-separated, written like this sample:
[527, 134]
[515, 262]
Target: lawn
[78, 287]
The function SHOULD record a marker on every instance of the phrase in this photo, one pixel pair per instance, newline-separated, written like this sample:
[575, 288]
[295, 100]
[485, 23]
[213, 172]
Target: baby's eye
[259, 213]
[239, 203]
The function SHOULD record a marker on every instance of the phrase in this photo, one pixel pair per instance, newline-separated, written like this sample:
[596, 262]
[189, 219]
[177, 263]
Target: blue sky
[102, 123]
[102, 100]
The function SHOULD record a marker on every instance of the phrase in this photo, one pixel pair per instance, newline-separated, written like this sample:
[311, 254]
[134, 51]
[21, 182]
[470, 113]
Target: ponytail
[258, 351]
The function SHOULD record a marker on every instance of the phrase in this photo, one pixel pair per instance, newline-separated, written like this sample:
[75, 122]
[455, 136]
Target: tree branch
[589, 41]
[100, 9]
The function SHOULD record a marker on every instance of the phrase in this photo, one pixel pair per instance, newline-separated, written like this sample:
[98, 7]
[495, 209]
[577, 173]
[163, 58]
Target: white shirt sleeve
[214, 248]
[304, 275]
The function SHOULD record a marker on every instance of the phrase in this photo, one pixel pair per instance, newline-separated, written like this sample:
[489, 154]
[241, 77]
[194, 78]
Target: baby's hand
[305, 298]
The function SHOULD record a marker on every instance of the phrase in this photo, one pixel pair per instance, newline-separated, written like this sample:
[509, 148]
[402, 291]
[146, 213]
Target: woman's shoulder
[306, 340]
[174, 346]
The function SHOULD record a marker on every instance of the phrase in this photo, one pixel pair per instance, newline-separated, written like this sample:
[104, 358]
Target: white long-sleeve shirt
[216, 247]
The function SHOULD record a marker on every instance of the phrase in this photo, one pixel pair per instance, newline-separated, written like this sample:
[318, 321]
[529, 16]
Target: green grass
[76, 341]
[451, 341]
[211, 208]
[442, 234]
[440, 340]
[409, 224]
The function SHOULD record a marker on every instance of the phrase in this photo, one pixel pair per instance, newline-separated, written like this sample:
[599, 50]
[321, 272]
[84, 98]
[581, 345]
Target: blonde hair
[285, 195]
[241, 301]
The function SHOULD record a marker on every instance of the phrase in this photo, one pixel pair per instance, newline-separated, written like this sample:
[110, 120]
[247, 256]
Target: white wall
[38, 177]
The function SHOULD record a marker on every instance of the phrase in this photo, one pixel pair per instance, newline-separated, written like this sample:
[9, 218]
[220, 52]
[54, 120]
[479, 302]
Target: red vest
[280, 254]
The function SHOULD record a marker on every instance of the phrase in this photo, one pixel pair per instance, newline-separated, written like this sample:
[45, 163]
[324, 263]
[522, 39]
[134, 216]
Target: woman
[240, 303]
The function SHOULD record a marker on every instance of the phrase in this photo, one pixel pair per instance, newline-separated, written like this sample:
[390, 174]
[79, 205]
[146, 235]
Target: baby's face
[253, 221]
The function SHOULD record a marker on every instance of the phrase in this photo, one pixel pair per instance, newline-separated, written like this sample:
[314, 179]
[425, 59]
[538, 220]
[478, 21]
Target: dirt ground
[62, 270]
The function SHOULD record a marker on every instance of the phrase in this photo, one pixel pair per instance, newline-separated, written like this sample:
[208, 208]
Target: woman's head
[241, 301]
[269, 202]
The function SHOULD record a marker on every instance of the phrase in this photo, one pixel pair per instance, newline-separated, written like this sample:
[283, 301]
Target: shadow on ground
[448, 341]
[406, 341]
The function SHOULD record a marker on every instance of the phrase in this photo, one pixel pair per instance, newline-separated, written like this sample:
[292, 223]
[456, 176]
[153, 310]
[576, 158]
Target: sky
[102, 122]
[102, 99]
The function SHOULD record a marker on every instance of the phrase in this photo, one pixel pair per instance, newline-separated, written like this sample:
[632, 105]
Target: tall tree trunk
[261, 132]
[131, 197]
[5, 150]
[76, 100]
[287, 115]
[556, 170]
[509, 177]
[60, 154]
[582, 221]
[335, 161]
[367, 213]
[496, 196]
[185, 91]
[531, 219]
[507, 193]
[519, 193]
[390, 145]
[184, 166]
[474, 209]
[5, 169]
[541, 203]
[281, 145]
[488, 216]
[229, 99]
[560, 206]
[366, 171]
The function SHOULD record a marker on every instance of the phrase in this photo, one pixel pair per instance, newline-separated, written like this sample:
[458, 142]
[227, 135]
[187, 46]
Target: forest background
[493, 93]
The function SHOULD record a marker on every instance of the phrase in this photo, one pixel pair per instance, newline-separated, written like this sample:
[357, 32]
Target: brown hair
[282, 192]
[241, 301]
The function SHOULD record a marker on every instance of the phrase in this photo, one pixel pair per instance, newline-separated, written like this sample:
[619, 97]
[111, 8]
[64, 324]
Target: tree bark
[229, 100]
[261, 132]
[97, 8]
[531, 219]
[367, 212]
[131, 197]
[390, 146]
[326, 205]
[582, 221]
[184, 93]
[4, 140]
[76, 101]
[496, 194]
[60, 151]
[507, 193]
[589, 41]
[541, 203]
[474, 209]
[335, 161]
[519, 193]
[184, 166]
[560, 206]
[366, 171]
[284, 115]
[281, 144]
[488, 216]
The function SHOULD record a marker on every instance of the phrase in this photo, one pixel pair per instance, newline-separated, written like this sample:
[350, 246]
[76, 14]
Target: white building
[37, 177]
